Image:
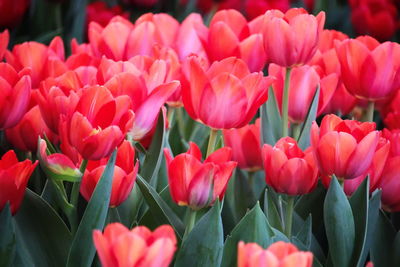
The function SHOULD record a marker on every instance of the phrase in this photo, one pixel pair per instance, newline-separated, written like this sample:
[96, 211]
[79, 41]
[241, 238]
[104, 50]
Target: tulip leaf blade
[383, 239]
[204, 244]
[154, 155]
[7, 237]
[339, 223]
[82, 250]
[271, 120]
[253, 227]
[159, 208]
[39, 230]
[359, 202]
[304, 137]
[271, 209]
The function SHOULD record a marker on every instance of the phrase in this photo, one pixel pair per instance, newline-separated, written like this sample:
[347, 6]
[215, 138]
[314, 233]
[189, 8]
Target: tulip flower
[99, 123]
[278, 254]
[198, 184]
[246, 146]
[124, 177]
[344, 148]
[288, 169]
[229, 35]
[11, 12]
[119, 247]
[44, 61]
[291, 39]
[57, 166]
[304, 81]
[15, 92]
[148, 89]
[4, 39]
[14, 176]
[226, 95]
[369, 71]
[25, 134]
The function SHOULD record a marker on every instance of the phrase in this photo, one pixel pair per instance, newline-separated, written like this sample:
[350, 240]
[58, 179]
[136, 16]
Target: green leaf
[7, 237]
[339, 224]
[383, 239]
[271, 121]
[204, 244]
[252, 228]
[160, 210]
[152, 162]
[82, 250]
[41, 232]
[304, 137]
[129, 210]
[244, 195]
[360, 205]
[305, 233]
[271, 209]
[396, 249]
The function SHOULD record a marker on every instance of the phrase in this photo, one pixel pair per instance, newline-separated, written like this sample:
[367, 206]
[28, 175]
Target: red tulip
[198, 184]
[11, 12]
[304, 81]
[24, 135]
[124, 177]
[246, 146]
[377, 18]
[328, 39]
[288, 169]
[14, 176]
[369, 71]
[99, 123]
[139, 247]
[279, 254]
[344, 148]
[42, 60]
[15, 92]
[99, 12]
[148, 91]
[191, 37]
[226, 95]
[4, 39]
[291, 39]
[229, 35]
[374, 171]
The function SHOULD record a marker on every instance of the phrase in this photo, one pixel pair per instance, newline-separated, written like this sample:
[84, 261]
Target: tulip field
[155, 133]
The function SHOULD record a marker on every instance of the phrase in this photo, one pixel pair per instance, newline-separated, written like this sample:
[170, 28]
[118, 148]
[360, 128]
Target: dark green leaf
[271, 121]
[7, 237]
[252, 228]
[82, 250]
[42, 232]
[304, 137]
[204, 244]
[160, 210]
[360, 205]
[75, 21]
[129, 210]
[382, 244]
[339, 224]
[304, 234]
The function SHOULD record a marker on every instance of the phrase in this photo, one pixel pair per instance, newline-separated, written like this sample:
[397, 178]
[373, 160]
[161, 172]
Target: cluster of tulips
[135, 105]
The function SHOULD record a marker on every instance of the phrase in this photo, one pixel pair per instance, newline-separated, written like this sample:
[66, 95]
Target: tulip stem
[370, 111]
[181, 122]
[296, 131]
[190, 222]
[285, 103]
[211, 141]
[289, 216]
[170, 116]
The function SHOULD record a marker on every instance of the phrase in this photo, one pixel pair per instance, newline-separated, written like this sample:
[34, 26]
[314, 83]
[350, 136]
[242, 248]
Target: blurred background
[41, 20]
